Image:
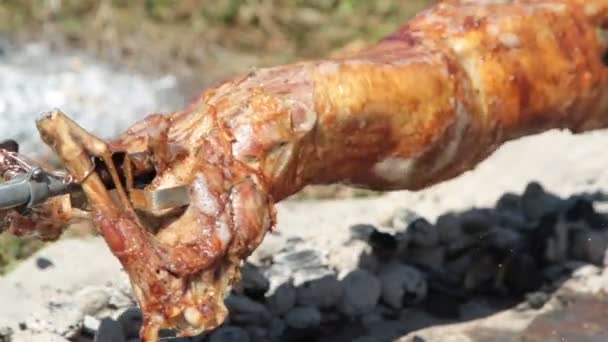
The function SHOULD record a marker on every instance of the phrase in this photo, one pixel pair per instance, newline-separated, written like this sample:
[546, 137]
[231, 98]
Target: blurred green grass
[308, 26]
[13, 249]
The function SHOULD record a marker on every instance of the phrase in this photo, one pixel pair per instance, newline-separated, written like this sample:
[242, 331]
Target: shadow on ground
[412, 275]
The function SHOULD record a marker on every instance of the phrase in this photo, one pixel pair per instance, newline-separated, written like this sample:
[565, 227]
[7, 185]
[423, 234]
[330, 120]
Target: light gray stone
[482, 270]
[402, 285]
[246, 311]
[459, 266]
[589, 246]
[323, 292]
[276, 328]
[514, 220]
[282, 298]
[229, 334]
[448, 228]
[90, 324]
[557, 242]
[422, 233]
[537, 300]
[536, 202]
[476, 222]
[509, 202]
[304, 275]
[461, 245]
[361, 293]
[361, 231]
[110, 331]
[353, 255]
[371, 318]
[131, 321]
[253, 280]
[385, 242]
[505, 240]
[431, 257]
[303, 317]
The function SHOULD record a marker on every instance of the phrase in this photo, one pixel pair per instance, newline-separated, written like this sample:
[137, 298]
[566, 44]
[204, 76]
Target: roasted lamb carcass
[421, 106]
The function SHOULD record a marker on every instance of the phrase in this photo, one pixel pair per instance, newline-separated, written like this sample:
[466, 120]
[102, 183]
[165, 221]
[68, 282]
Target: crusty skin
[421, 106]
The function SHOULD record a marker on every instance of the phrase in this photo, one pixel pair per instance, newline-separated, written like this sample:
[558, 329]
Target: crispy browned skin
[423, 105]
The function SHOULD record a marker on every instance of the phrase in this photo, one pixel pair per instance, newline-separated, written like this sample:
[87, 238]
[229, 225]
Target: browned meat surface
[423, 105]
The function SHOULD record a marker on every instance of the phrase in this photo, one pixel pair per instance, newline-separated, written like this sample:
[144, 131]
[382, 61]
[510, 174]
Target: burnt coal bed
[408, 270]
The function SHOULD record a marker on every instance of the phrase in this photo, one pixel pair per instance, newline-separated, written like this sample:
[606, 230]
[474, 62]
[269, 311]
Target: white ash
[38, 336]
[91, 325]
[63, 319]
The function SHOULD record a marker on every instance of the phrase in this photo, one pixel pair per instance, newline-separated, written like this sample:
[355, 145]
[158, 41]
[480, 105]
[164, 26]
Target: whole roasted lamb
[423, 105]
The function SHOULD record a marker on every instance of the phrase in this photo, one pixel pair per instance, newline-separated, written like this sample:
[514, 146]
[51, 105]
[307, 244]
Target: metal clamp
[29, 189]
[27, 184]
[160, 199]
